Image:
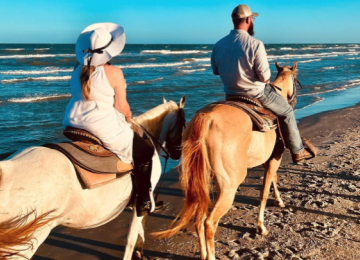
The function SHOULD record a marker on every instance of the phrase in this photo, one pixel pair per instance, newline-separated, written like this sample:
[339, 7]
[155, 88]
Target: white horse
[39, 190]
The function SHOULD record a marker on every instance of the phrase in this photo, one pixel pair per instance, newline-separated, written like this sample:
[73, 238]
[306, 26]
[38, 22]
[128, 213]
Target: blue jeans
[280, 107]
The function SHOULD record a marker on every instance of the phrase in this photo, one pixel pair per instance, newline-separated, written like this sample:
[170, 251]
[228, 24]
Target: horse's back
[231, 132]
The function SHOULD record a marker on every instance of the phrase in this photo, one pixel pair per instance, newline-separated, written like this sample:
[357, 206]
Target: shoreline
[236, 227]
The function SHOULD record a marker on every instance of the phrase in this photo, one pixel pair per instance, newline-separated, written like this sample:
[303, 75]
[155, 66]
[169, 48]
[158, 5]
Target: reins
[155, 142]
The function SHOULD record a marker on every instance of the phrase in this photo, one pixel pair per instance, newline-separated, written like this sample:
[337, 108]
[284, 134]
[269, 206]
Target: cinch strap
[98, 50]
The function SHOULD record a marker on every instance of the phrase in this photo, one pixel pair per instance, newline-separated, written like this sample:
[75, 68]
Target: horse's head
[286, 81]
[175, 124]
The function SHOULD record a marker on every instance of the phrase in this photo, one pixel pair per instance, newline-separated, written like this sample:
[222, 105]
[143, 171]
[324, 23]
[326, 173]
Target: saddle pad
[261, 117]
[94, 180]
[85, 157]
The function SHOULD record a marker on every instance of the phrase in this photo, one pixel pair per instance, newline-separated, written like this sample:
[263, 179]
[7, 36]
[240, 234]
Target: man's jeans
[280, 107]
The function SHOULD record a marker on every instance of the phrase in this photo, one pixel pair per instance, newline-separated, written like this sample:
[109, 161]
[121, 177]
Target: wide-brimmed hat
[242, 11]
[99, 43]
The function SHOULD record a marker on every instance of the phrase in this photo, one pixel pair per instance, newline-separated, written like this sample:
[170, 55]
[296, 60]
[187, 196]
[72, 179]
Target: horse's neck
[153, 120]
[282, 81]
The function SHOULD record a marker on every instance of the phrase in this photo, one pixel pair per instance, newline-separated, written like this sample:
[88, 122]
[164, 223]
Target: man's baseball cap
[242, 11]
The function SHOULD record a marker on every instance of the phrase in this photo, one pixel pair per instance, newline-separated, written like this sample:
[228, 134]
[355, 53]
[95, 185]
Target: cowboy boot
[302, 156]
[145, 203]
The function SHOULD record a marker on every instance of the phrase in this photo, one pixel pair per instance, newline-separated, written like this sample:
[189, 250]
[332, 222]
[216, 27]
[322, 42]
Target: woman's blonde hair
[85, 81]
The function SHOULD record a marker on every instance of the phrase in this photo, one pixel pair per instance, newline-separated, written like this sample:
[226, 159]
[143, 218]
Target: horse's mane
[156, 112]
[153, 119]
[281, 75]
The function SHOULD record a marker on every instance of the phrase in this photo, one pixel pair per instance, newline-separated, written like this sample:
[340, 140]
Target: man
[241, 62]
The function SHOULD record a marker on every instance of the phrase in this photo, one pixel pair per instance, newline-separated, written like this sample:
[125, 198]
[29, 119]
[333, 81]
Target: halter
[292, 99]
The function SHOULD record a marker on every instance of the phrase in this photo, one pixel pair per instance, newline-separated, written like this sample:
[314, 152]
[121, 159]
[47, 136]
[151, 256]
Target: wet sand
[320, 220]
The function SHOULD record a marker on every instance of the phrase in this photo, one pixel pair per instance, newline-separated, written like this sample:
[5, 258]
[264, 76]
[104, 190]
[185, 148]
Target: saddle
[262, 118]
[95, 165]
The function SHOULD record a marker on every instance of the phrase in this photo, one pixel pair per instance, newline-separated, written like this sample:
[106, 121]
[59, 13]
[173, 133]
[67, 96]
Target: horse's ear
[182, 101]
[294, 67]
[164, 100]
[278, 67]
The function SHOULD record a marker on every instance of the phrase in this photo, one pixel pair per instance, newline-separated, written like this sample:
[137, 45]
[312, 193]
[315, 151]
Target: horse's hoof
[262, 231]
[137, 255]
[279, 203]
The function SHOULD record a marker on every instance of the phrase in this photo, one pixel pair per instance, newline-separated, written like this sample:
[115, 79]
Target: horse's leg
[200, 229]
[278, 201]
[136, 228]
[222, 206]
[271, 167]
[139, 247]
[39, 237]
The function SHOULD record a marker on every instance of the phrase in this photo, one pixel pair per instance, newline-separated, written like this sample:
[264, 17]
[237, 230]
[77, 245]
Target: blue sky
[185, 21]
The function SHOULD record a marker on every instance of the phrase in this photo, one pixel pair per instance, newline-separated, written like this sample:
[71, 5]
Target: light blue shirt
[242, 64]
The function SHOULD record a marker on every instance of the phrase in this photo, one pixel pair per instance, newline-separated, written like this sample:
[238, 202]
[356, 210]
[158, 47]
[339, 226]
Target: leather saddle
[262, 118]
[95, 164]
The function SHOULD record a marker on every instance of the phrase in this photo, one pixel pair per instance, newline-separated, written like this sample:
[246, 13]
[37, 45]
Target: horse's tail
[15, 233]
[195, 177]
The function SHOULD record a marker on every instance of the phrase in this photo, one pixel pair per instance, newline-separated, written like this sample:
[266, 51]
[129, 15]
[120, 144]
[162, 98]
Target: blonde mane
[153, 119]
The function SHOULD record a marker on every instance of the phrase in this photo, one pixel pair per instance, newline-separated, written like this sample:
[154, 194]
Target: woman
[98, 104]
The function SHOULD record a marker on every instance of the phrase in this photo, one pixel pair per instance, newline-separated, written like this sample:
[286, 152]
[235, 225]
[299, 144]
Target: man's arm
[213, 64]
[262, 68]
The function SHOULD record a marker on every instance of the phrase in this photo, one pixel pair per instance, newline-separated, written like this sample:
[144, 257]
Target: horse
[219, 145]
[40, 189]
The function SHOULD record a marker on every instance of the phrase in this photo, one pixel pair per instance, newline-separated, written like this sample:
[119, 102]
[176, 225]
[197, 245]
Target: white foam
[30, 56]
[152, 65]
[34, 72]
[169, 52]
[191, 71]
[328, 68]
[306, 61]
[14, 49]
[319, 99]
[141, 82]
[286, 48]
[310, 55]
[322, 92]
[41, 49]
[37, 98]
[50, 78]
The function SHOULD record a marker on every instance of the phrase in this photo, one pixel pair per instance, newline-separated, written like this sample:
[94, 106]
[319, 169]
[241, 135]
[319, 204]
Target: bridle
[292, 100]
[180, 119]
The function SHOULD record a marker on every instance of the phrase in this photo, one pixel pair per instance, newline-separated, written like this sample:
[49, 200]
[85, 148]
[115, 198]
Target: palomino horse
[219, 144]
[43, 181]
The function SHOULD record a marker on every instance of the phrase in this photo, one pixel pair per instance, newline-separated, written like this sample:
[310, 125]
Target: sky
[182, 22]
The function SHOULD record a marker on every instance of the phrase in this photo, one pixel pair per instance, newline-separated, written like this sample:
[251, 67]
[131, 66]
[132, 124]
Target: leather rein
[154, 141]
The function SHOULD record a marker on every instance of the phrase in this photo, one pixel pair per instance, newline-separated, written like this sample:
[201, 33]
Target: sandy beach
[320, 220]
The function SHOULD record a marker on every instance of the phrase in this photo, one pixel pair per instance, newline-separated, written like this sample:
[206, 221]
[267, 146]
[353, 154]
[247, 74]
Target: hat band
[98, 50]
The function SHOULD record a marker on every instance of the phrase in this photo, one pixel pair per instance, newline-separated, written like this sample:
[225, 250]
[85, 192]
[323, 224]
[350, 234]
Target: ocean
[34, 81]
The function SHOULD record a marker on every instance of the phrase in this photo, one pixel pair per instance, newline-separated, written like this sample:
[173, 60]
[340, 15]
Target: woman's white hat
[99, 43]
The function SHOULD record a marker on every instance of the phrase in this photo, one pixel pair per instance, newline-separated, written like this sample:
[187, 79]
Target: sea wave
[30, 56]
[57, 78]
[34, 72]
[38, 98]
[151, 65]
[286, 48]
[319, 99]
[14, 49]
[306, 61]
[191, 71]
[309, 55]
[41, 49]
[169, 52]
[196, 59]
[142, 82]
[328, 68]
[347, 84]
